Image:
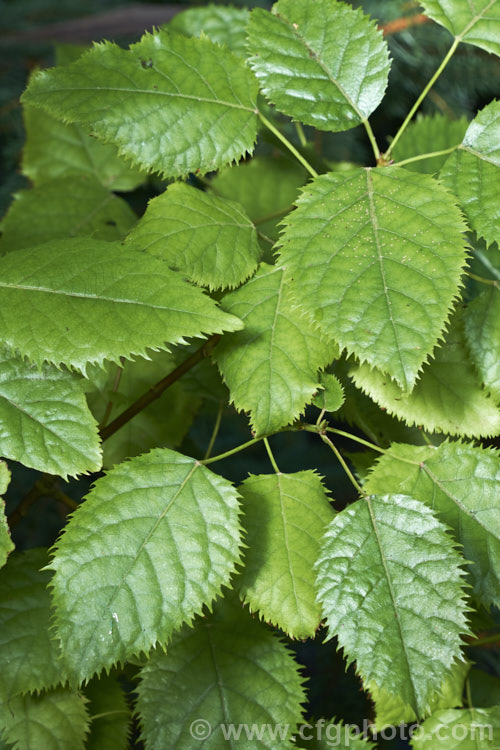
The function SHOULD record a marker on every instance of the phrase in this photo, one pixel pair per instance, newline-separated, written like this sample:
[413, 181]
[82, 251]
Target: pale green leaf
[228, 669]
[319, 61]
[447, 398]
[382, 558]
[322, 735]
[465, 729]
[482, 331]
[67, 207]
[155, 539]
[266, 188]
[29, 655]
[285, 516]
[473, 171]
[163, 423]
[56, 720]
[54, 150]
[170, 103]
[461, 483]
[109, 715]
[207, 238]
[390, 710]
[426, 134]
[376, 256]
[474, 21]
[224, 25]
[271, 366]
[45, 422]
[331, 397]
[6, 543]
[53, 308]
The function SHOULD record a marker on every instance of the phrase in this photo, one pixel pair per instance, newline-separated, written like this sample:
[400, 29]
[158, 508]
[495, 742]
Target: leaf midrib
[375, 231]
[315, 55]
[176, 95]
[393, 599]
[474, 20]
[82, 295]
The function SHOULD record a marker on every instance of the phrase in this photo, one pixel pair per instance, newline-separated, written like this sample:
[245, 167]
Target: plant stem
[215, 432]
[300, 133]
[490, 282]
[156, 390]
[271, 457]
[45, 485]
[422, 96]
[289, 145]
[371, 138]
[227, 454]
[265, 237]
[487, 640]
[273, 215]
[347, 470]
[426, 156]
[366, 443]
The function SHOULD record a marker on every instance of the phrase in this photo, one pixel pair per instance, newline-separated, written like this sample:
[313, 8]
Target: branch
[45, 486]
[158, 388]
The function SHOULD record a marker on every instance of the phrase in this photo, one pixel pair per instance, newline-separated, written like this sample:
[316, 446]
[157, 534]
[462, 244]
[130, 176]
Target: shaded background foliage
[26, 33]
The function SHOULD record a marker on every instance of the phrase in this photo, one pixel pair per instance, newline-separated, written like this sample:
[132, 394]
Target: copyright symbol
[200, 729]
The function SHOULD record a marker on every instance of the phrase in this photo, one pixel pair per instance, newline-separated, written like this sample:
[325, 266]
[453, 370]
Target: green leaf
[447, 398]
[54, 150]
[67, 207]
[6, 543]
[426, 134]
[156, 539]
[319, 61]
[465, 729]
[209, 239]
[376, 256]
[270, 367]
[171, 104]
[29, 655]
[473, 172]
[482, 332]
[129, 302]
[224, 25]
[476, 22]
[228, 669]
[390, 710]
[163, 423]
[57, 720]
[46, 423]
[461, 483]
[331, 397]
[265, 188]
[285, 518]
[322, 735]
[381, 559]
[109, 714]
